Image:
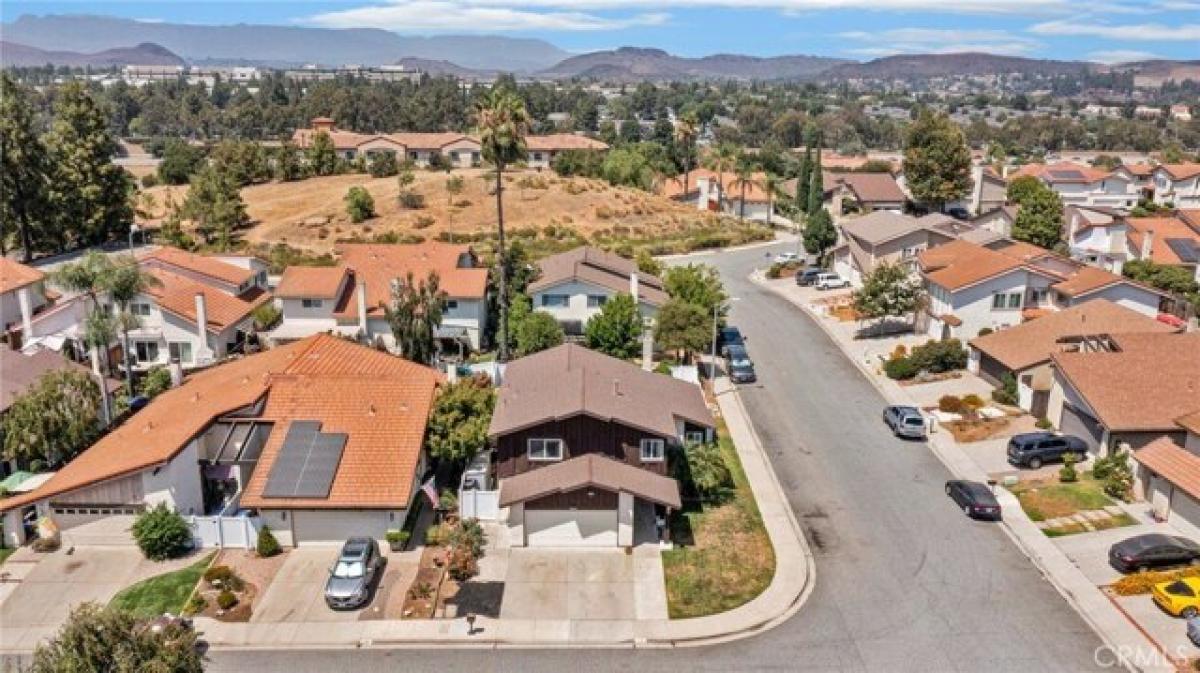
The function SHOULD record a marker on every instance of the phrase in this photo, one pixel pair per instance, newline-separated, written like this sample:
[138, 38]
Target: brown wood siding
[581, 435]
[577, 499]
[120, 491]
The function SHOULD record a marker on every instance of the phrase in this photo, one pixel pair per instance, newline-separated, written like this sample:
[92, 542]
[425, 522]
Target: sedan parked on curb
[831, 281]
[905, 421]
[1034, 449]
[349, 584]
[1152, 551]
[741, 368]
[1180, 598]
[976, 499]
[808, 277]
[729, 336]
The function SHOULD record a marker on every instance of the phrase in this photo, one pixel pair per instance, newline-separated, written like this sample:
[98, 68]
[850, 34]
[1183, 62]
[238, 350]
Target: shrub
[939, 356]
[195, 605]
[1118, 479]
[985, 331]
[411, 200]
[156, 380]
[45, 545]
[951, 404]
[899, 352]
[224, 577]
[398, 537]
[383, 165]
[1142, 583]
[149, 180]
[448, 500]
[1043, 423]
[267, 544]
[359, 204]
[161, 533]
[1007, 392]
[973, 402]
[461, 564]
[226, 599]
[266, 316]
[706, 470]
[900, 369]
[1068, 474]
[423, 222]
[662, 368]
[436, 536]
[775, 271]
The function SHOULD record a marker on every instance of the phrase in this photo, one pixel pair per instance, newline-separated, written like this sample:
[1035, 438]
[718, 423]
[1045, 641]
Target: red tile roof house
[573, 286]
[1079, 185]
[583, 445]
[22, 295]
[321, 439]
[705, 191]
[349, 298]
[1177, 184]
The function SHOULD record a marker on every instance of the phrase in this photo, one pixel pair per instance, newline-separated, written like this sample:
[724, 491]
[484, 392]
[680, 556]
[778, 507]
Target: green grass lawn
[5, 552]
[162, 593]
[723, 555]
[1045, 499]
[1114, 522]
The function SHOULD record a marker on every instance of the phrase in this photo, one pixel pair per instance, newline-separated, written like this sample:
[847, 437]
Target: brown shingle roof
[379, 264]
[590, 470]
[1152, 380]
[312, 282]
[200, 264]
[1172, 462]
[1033, 342]
[600, 268]
[871, 188]
[177, 294]
[569, 380]
[14, 275]
[20, 371]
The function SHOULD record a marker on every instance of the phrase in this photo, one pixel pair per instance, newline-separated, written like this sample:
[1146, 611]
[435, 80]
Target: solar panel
[1067, 175]
[1186, 249]
[307, 462]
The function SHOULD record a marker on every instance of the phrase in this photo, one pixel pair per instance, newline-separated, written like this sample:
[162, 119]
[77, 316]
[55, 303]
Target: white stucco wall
[177, 483]
[973, 305]
[1124, 294]
[577, 304]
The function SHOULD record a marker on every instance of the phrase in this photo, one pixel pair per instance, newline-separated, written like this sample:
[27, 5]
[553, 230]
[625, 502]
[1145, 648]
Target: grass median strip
[723, 555]
[162, 593]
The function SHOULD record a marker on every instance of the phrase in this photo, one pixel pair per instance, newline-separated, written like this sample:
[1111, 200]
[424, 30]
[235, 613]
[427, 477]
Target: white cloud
[469, 16]
[937, 41]
[1142, 32]
[1121, 56]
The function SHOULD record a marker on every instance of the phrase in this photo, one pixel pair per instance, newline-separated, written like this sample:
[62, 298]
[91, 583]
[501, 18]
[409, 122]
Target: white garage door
[1185, 513]
[571, 528]
[334, 527]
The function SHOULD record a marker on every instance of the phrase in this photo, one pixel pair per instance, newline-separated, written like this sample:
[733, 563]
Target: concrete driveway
[1089, 551]
[297, 594]
[584, 584]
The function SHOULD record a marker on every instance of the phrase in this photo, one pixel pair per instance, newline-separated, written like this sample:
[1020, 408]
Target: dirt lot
[539, 207]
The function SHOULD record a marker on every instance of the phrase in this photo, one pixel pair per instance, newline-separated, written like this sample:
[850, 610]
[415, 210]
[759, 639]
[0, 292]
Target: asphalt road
[905, 582]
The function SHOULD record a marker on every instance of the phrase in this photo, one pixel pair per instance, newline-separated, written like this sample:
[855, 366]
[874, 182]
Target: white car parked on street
[831, 281]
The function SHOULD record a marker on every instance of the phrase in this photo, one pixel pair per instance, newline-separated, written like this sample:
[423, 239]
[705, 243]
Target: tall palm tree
[687, 128]
[722, 159]
[89, 276]
[124, 282]
[744, 172]
[770, 184]
[503, 124]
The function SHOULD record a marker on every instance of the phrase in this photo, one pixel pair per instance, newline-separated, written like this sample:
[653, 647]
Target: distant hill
[444, 68]
[906, 66]
[147, 53]
[281, 45]
[636, 64]
[1157, 72]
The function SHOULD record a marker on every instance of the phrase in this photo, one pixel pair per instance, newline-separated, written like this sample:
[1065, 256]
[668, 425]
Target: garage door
[334, 527]
[1185, 513]
[571, 528]
[1078, 423]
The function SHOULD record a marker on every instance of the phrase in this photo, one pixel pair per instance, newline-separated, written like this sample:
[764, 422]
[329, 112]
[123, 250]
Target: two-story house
[22, 296]
[573, 286]
[1108, 238]
[1079, 185]
[1177, 184]
[717, 192]
[350, 298]
[1098, 236]
[886, 237]
[583, 447]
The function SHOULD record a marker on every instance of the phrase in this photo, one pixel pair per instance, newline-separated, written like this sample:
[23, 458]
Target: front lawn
[1044, 499]
[723, 555]
[161, 593]
[1101, 524]
[5, 552]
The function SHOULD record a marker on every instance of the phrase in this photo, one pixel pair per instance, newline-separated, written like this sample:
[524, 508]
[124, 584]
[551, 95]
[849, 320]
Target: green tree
[629, 167]
[179, 161]
[359, 204]
[803, 178]
[458, 424]
[744, 173]
[95, 638]
[89, 276]
[888, 291]
[322, 157]
[382, 164]
[697, 284]
[414, 314]
[682, 327]
[24, 189]
[722, 159]
[1174, 279]
[703, 468]
[531, 331]
[242, 160]
[288, 166]
[155, 382]
[647, 264]
[503, 124]
[1021, 187]
[816, 185]
[214, 204]
[616, 329]
[53, 420]
[89, 195]
[937, 161]
[454, 186]
[1039, 220]
[161, 533]
[819, 234]
[124, 282]
[687, 128]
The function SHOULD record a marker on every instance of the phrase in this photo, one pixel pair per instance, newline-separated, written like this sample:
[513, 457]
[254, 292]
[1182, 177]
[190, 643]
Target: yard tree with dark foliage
[888, 291]
[697, 284]
[95, 638]
[703, 468]
[179, 161]
[819, 234]
[23, 181]
[1174, 279]
[531, 331]
[1039, 221]
[459, 421]
[214, 203]
[322, 158]
[682, 327]
[53, 420]
[161, 533]
[1020, 187]
[937, 161]
[414, 314]
[616, 329]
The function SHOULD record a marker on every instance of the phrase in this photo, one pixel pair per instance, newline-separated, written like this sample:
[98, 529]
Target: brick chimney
[322, 124]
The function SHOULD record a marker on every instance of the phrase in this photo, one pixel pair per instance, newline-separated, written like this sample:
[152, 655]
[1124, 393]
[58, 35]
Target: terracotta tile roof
[1165, 229]
[590, 469]
[1087, 279]
[21, 371]
[673, 187]
[342, 140]
[1149, 382]
[378, 264]
[177, 295]
[569, 380]
[1141, 170]
[601, 268]
[14, 275]
[1033, 342]
[1020, 250]
[1190, 422]
[1173, 463]
[563, 141]
[317, 282]
[1181, 171]
[380, 401]
[166, 257]
[429, 141]
[1062, 172]
[959, 264]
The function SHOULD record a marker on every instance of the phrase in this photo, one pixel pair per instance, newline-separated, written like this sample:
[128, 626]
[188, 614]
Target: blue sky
[1103, 30]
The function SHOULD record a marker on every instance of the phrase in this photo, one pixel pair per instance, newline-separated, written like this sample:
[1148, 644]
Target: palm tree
[722, 159]
[124, 283]
[503, 124]
[770, 184]
[89, 276]
[686, 130]
[744, 171]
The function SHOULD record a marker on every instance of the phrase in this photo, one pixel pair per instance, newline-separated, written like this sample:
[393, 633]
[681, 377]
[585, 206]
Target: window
[412, 155]
[910, 252]
[1037, 297]
[545, 449]
[537, 156]
[1001, 300]
[596, 300]
[454, 157]
[180, 351]
[653, 450]
[555, 300]
[311, 303]
[693, 437]
[451, 304]
[147, 351]
[1014, 300]
[139, 309]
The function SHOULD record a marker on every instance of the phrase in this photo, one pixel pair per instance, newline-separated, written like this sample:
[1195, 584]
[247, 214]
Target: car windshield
[1179, 588]
[914, 421]
[349, 569]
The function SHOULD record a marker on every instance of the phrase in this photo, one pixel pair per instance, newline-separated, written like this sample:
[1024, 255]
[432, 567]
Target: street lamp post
[133, 229]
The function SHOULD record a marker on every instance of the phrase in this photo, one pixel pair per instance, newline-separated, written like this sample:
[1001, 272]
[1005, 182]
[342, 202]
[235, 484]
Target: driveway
[298, 592]
[579, 584]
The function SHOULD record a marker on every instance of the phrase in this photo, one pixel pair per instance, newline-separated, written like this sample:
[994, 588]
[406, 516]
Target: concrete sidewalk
[792, 584]
[1117, 632]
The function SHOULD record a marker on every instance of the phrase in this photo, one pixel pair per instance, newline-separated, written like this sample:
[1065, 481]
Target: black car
[807, 277]
[958, 213]
[729, 336]
[1033, 449]
[976, 499]
[1154, 550]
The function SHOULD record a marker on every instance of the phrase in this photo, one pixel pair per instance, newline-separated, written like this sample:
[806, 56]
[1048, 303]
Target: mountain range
[146, 53]
[637, 64]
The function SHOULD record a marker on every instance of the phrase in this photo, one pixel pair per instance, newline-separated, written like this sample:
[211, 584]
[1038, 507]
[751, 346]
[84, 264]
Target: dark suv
[1033, 449]
[807, 277]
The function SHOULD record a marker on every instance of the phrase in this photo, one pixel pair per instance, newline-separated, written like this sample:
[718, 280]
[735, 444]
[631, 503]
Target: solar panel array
[1067, 175]
[306, 463]
[1187, 250]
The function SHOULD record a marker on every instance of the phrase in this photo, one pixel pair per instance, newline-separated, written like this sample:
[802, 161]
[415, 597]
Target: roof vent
[196, 397]
[617, 387]
[370, 409]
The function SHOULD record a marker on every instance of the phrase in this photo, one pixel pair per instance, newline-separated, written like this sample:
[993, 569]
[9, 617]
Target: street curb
[1038, 560]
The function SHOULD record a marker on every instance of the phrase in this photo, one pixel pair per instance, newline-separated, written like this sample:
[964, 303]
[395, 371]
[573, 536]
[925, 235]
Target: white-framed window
[180, 351]
[556, 300]
[1037, 297]
[451, 304]
[596, 300]
[1006, 300]
[537, 156]
[653, 450]
[545, 449]
[312, 303]
[147, 351]
[1014, 300]
[693, 437]
[911, 251]
[141, 309]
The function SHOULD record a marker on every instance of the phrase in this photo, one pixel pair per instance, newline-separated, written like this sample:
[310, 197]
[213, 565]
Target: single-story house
[1167, 476]
[574, 286]
[541, 150]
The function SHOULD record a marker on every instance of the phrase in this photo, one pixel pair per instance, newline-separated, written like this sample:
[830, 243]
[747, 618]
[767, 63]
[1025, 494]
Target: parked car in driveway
[808, 277]
[1151, 551]
[1180, 597]
[976, 499]
[905, 421]
[1193, 630]
[741, 368]
[831, 281]
[786, 258]
[1033, 449]
[350, 579]
[729, 336]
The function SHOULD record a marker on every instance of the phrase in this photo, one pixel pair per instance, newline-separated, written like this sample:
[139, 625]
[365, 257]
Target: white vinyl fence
[475, 504]
[225, 531]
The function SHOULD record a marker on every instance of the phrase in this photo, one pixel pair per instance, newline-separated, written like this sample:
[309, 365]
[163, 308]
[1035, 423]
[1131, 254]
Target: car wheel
[1035, 463]
[1189, 612]
[947, 490]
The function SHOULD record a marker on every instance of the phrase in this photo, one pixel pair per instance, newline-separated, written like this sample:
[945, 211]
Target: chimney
[201, 324]
[617, 387]
[1147, 243]
[362, 307]
[633, 286]
[176, 371]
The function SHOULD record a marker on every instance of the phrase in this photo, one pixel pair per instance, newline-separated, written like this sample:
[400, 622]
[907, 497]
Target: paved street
[904, 582]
